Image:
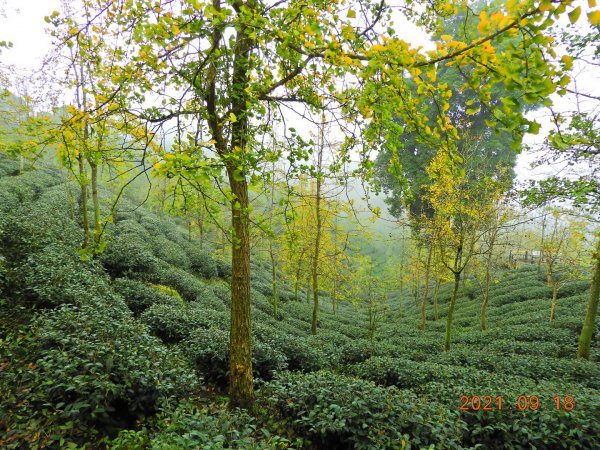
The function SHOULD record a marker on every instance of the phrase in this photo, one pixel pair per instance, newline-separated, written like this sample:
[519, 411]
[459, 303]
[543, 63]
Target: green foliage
[224, 268]
[203, 264]
[55, 275]
[208, 349]
[127, 254]
[173, 322]
[519, 295]
[189, 287]
[86, 367]
[93, 366]
[170, 252]
[330, 410]
[139, 296]
[545, 427]
[189, 426]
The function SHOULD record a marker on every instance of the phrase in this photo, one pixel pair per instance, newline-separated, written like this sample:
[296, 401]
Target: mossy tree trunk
[241, 388]
[241, 385]
[589, 323]
[318, 231]
[554, 298]
[274, 293]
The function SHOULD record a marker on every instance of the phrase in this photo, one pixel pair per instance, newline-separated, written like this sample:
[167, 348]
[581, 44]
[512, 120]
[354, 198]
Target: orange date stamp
[521, 403]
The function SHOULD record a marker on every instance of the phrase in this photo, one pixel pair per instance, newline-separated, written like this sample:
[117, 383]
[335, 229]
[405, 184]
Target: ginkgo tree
[563, 254]
[217, 68]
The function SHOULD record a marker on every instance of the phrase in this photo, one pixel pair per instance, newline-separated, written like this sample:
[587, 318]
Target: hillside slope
[129, 350]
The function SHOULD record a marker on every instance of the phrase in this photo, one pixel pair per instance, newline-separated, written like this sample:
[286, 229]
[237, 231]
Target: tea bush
[189, 426]
[87, 368]
[336, 411]
[127, 255]
[55, 275]
[202, 263]
[139, 296]
[173, 322]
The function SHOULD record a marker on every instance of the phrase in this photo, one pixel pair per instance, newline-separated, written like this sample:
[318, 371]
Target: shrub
[395, 372]
[55, 275]
[574, 288]
[543, 292]
[172, 322]
[38, 224]
[188, 426]
[139, 296]
[202, 263]
[510, 428]
[188, 286]
[208, 349]
[128, 255]
[224, 269]
[88, 367]
[336, 411]
[223, 292]
[170, 252]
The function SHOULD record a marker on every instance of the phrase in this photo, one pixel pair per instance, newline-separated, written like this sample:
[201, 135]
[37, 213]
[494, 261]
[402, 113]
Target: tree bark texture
[587, 330]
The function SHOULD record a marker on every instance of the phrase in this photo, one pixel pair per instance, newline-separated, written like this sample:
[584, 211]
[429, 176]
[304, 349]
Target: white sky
[22, 23]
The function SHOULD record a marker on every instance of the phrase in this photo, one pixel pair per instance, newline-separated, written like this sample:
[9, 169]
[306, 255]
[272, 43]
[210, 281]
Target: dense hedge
[189, 426]
[329, 409]
[139, 296]
[173, 322]
[336, 411]
[87, 368]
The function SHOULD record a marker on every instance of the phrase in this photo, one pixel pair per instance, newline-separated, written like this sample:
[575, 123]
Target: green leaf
[564, 80]
[574, 15]
[238, 175]
[534, 128]
[351, 14]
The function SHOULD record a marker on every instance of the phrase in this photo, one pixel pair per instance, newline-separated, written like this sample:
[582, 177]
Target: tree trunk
[308, 291]
[425, 297]
[587, 330]
[401, 282]
[451, 310]
[84, 202]
[334, 295]
[436, 293]
[296, 285]
[70, 199]
[95, 201]
[539, 264]
[275, 297]
[200, 223]
[315, 264]
[486, 300]
[241, 388]
[554, 285]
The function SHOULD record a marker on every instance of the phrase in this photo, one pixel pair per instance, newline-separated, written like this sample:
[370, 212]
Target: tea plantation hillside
[129, 350]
